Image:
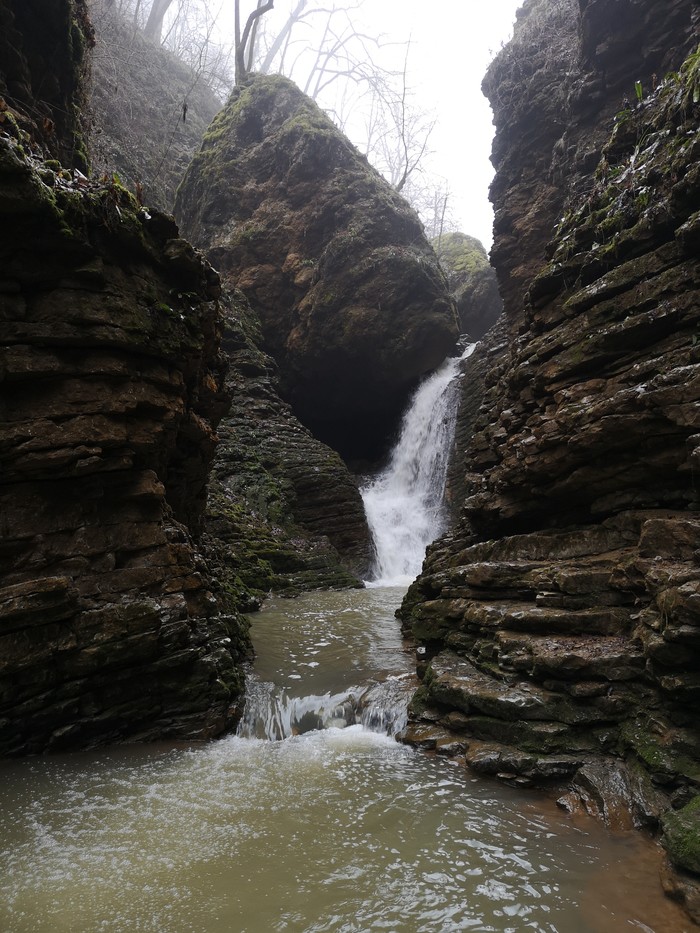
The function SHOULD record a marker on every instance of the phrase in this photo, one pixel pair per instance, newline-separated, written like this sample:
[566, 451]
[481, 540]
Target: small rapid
[336, 661]
[405, 503]
[314, 819]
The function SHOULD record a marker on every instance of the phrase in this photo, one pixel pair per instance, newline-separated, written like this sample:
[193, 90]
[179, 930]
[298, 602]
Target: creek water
[333, 829]
[314, 819]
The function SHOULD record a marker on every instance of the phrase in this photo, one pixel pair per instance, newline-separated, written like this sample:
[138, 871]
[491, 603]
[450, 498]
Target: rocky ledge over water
[561, 616]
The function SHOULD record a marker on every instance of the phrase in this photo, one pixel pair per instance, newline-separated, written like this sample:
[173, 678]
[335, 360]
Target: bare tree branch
[262, 7]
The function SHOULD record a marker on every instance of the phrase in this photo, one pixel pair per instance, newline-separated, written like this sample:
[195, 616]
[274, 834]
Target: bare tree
[247, 38]
[154, 23]
[322, 46]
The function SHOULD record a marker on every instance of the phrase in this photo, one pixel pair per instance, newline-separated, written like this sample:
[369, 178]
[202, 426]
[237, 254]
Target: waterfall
[271, 713]
[404, 504]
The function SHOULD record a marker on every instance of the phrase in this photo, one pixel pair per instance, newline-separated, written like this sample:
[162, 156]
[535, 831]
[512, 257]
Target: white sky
[452, 43]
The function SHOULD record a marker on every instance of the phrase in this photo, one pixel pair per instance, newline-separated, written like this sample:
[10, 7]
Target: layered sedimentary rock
[472, 282]
[112, 388]
[555, 88]
[562, 614]
[353, 305]
[284, 513]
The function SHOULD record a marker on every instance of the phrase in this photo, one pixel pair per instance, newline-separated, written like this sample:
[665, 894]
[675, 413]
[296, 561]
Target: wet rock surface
[283, 514]
[560, 615]
[353, 305]
[112, 388]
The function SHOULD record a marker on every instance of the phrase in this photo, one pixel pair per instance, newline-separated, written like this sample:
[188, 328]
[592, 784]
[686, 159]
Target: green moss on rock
[682, 836]
[472, 281]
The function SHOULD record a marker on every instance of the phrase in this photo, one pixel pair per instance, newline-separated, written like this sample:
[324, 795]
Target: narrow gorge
[230, 432]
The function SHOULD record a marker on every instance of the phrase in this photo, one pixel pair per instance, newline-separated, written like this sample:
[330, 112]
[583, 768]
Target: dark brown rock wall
[44, 64]
[112, 385]
[353, 305]
[555, 89]
[284, 513]
[561, 615]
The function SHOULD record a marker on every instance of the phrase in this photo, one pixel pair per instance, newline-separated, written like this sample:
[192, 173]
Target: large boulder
[353, 305]
[472, 281]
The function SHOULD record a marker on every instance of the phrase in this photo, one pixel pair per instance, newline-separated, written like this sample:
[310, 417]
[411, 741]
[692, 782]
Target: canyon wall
[111, 626]
[561, 616]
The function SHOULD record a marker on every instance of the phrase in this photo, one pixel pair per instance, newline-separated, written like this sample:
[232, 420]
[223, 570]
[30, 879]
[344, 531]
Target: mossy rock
[472, 281]
[681, 837]
[352, 303]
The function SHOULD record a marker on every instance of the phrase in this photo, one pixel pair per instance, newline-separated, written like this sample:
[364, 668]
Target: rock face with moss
[44, 63]
[472, 281]
[562, 614]
[110, 625]
[284, 514]
[353, 305]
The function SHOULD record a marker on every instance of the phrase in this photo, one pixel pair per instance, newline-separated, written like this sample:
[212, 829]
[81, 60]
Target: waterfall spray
[404, 504]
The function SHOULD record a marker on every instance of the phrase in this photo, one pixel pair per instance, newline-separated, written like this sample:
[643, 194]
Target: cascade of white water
[404, 504]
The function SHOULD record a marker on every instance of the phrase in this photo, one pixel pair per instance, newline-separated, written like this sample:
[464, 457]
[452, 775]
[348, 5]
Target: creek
[313, 819]
[333, 829]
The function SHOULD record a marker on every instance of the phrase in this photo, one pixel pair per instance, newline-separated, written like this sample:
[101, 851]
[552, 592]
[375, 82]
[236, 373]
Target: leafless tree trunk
[154, 23]
[283, 36]
[242, 42]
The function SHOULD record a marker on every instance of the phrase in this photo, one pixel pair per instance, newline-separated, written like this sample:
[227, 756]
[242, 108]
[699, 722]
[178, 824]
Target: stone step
[566, 657]
[454, 682]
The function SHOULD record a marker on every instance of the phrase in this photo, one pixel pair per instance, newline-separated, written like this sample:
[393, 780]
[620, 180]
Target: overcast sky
[452, 43]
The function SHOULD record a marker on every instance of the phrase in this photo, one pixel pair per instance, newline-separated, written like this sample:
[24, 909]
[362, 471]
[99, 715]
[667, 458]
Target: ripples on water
[340, 830]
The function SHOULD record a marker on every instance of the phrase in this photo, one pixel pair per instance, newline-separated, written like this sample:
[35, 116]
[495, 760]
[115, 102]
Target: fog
[404, 83]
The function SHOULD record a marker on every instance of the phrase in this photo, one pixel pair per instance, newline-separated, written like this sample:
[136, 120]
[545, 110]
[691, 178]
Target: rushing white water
[404, 504]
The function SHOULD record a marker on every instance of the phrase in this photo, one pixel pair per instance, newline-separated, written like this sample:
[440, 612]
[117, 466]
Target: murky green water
[332, 830]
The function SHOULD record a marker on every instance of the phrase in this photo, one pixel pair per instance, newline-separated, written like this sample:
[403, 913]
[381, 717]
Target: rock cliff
[562, 614]
[113, 383]
[353, 305]
[283, 514]
[472, 282]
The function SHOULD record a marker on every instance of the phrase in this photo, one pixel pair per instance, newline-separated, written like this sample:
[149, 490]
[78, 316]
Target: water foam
[404, 504]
